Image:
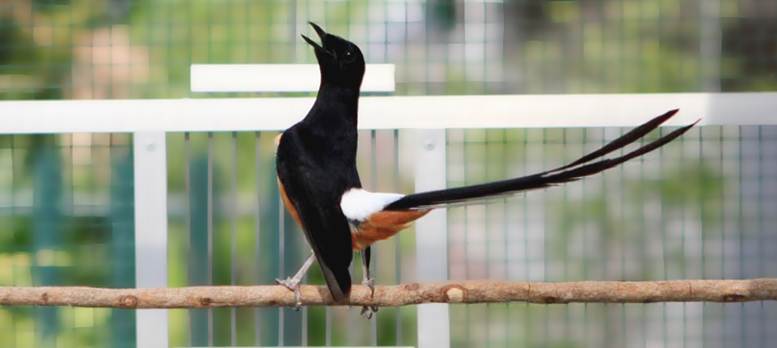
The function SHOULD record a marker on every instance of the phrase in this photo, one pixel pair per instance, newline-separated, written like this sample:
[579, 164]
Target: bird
[320, 186]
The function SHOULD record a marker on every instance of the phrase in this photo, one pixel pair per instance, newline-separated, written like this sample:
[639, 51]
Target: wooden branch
[400, 295]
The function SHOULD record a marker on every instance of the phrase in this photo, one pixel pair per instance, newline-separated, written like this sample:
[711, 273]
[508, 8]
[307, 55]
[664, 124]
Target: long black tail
[570, 172]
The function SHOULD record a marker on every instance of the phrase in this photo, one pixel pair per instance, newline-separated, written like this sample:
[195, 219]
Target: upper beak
[321, 34]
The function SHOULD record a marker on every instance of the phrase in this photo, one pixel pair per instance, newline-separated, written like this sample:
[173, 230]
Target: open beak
[321, 35]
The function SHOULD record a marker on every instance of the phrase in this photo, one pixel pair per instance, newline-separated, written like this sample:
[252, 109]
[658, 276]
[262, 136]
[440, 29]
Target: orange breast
[287, 203]
[282, 190]
[383, 225]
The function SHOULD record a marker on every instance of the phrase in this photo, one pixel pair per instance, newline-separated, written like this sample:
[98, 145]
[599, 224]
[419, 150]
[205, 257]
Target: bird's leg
[292, 283]
[368, 281]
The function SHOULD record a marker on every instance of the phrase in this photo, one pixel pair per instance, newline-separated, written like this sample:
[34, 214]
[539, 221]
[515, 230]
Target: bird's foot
[370, 283]
[293, 285]
[369, 311]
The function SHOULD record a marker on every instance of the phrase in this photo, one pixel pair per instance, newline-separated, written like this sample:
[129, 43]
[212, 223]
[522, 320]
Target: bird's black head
[341, 62]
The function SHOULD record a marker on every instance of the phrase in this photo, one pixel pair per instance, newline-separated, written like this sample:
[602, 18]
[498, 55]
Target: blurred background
[703, 207]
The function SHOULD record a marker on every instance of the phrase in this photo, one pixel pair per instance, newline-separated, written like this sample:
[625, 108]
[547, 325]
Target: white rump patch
[358, 204]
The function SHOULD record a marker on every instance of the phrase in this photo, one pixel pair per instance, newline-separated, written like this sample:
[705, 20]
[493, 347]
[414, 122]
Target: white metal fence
[425, 119]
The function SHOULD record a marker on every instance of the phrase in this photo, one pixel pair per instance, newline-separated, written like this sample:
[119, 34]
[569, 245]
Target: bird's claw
[369, 311]
[292, 285]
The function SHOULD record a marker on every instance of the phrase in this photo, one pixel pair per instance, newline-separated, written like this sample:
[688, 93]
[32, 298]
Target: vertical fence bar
[209, 234]
[281, 266]
[196, 177]
[374, 254]
[258, 231]
[233, 234]
[150, 167]
[431, 239]
[187, 182]
[122, 227]
[397, 243]
[47, 236]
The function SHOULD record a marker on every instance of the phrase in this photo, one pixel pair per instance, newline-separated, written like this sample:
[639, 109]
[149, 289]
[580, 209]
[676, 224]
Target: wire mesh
[66, 211]
[698, 209]
[143, 49]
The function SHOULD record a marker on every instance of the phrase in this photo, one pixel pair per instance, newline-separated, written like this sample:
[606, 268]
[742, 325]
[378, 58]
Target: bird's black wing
[314, 193]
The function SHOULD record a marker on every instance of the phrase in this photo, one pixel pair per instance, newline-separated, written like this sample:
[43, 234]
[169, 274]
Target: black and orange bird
[320, 186]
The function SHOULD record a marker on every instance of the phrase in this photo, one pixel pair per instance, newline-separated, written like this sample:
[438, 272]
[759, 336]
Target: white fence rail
[390, 112]
[278, 78]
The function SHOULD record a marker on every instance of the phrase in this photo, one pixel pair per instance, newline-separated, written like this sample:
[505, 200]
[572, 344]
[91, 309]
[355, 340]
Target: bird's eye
[348, 53]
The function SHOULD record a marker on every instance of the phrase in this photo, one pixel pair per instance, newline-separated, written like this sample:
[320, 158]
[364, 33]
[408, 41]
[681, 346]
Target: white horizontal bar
[278, 78]
[505, 111]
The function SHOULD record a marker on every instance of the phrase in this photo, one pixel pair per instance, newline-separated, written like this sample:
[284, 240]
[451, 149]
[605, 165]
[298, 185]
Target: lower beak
[312, 43]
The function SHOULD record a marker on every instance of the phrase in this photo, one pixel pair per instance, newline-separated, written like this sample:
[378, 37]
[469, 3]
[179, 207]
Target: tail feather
[626, 139]
[567, 173]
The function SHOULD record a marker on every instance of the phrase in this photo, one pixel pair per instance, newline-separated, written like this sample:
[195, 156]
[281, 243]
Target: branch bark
[400, 295]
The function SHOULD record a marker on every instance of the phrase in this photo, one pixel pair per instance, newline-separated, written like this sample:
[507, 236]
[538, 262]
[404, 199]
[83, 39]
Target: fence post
[432, 238]
[150, 167]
